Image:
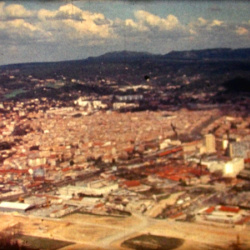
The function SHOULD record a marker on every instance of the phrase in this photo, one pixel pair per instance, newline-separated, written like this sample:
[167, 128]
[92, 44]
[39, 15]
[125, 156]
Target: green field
[14, 93]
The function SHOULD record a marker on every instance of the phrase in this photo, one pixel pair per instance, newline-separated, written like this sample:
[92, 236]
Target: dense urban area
[126, 151]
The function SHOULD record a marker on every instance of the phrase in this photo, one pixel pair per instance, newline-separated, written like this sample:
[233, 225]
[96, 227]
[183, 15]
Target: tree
[8, 238]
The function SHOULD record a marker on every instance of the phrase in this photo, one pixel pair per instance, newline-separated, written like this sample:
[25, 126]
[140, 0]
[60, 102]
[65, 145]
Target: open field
[102, 232]
[148, 241]
[101, 220]
[42, 243]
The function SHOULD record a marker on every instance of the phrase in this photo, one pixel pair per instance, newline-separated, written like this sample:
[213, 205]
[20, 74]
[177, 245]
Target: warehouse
[222, 214]
[14, 207]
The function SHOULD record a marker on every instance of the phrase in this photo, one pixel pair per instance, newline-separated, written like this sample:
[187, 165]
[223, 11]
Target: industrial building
[221, 214]
[14, 207]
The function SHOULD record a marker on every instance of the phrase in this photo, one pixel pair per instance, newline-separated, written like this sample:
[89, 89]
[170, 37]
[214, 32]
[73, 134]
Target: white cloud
[72, 23]
[71, 12]
[242, 31]
[17, 11]
[14, 11]
[44, 14]
[204, 24]
[19, 30]
[216, 23]
[216, 33]
[130, 23]
[69, 26]
[67, 23]
[147, 19]
[201, 22]
[88, 28]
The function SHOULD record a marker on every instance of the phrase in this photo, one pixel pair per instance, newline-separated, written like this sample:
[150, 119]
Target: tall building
[209, 141]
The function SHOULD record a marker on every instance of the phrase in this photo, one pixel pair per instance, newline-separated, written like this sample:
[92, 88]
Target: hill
[177, 73]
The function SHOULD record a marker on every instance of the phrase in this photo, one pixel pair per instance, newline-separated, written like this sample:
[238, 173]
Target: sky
[43, 31]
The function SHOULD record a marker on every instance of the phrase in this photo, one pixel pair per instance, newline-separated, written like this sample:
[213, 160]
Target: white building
[14, 207]
[36, 162]
[120, 105]
[209, 141]
[126, 98]
[96, 104]
[93, 188]
[228, 168]
[221, 214]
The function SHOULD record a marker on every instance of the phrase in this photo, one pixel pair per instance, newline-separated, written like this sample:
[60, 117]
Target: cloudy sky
[32, 31]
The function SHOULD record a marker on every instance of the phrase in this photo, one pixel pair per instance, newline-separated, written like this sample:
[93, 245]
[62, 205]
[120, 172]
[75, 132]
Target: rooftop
[14, 205]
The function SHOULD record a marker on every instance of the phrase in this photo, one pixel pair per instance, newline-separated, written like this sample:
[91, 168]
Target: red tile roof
[229, 209]
[66, 169]
[170, 151]
[133, 183]
[210, 210]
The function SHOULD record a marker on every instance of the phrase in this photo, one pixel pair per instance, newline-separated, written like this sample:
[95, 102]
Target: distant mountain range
[197, 71]
[192, 55]
[120, 55]
[206, 54]
[212, 65]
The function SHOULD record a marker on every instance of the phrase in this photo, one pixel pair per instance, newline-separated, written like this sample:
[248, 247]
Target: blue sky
[32, 31]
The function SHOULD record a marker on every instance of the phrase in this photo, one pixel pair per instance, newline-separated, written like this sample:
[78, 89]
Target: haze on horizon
[38, 31]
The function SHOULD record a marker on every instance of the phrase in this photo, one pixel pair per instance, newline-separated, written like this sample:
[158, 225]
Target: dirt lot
[107, 221]
[69, 230]
[102, 232]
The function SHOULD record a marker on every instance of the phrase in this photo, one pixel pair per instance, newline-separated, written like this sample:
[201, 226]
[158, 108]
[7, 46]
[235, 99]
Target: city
[124, 125]
[110, 157]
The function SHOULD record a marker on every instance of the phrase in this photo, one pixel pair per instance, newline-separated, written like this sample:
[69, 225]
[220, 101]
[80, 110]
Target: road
[143, 223]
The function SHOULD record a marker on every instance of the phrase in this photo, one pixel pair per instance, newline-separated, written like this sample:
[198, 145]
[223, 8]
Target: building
[193, 148]
[35, 201]
[36, 162]
[96, 188]
[228, 168]
[90, 105]
[14, 207]
[127, 98]
[222, 214]
[233, 167]
[239, 149]
[209, 141]
[124, 105]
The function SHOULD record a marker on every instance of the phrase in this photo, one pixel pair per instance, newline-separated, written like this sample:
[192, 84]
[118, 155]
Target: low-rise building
[14, 207]
[96, 188]
[221, 214]
[229, 168]
[239, 149]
